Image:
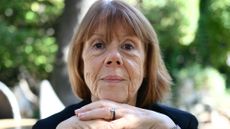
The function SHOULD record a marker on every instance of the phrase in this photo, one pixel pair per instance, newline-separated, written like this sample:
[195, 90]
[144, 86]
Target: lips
[113, 78]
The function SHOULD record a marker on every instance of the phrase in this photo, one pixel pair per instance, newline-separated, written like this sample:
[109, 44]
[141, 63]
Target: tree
[27, 40]
[66, 24]
[193, 36]
[212, 42]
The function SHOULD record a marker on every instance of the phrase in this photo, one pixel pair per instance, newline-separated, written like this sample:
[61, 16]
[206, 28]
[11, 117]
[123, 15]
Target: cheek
[91, 70]
[135, 70]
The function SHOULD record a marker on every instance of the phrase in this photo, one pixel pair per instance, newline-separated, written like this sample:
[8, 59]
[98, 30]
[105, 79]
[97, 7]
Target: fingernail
[80, 115]
[76, 112]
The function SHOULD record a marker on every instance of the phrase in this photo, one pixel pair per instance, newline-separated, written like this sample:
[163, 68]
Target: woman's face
[114, 70]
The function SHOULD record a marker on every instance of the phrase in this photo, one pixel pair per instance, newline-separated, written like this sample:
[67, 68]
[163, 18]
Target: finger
[88, 107]
[99, 113]
[94, 105]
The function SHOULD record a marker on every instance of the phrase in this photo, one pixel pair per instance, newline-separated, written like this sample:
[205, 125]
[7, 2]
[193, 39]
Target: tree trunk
[72, 14]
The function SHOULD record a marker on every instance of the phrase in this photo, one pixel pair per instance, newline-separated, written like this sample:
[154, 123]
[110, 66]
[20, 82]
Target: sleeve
[193, 123]
[45, 124]
[53, 121]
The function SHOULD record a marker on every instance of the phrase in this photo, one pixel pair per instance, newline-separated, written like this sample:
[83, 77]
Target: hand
[74, 123]
[126, 116]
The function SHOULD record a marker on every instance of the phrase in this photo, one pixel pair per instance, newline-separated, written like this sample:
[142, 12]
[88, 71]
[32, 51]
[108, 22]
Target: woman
[115, 66]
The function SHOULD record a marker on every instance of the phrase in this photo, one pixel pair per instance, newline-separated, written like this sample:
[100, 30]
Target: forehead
[115, 30]
[110, 30]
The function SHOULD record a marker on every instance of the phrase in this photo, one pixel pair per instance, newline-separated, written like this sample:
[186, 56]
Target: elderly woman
[116, 68]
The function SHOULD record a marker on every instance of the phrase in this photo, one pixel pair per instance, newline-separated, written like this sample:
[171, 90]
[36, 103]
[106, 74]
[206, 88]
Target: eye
[128, 46]
[98, 44]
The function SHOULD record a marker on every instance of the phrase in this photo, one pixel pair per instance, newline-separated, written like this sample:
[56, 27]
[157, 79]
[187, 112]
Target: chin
[114, 98]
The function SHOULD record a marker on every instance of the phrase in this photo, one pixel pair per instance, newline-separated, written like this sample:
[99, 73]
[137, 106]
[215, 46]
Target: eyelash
[127, 46]
[98, 44]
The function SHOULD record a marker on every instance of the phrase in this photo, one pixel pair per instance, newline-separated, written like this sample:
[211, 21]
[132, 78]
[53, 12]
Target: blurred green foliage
[27, 37]
[192, 33]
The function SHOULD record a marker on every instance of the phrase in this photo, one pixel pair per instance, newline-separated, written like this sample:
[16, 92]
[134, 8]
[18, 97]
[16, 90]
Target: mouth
[113, 79]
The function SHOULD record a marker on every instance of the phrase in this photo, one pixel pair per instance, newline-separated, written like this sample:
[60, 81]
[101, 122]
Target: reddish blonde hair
[110, 14]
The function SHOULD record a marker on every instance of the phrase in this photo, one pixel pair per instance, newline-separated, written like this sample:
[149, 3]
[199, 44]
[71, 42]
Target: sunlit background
[194, 36]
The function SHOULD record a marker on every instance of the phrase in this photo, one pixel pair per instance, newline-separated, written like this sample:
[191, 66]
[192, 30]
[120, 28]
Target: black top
[183, 119]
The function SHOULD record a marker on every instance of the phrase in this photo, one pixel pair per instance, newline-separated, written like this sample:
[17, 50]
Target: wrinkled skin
[114, 71]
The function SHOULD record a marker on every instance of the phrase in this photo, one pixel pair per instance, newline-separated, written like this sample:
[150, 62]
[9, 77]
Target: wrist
[176, 127]
[165, 122]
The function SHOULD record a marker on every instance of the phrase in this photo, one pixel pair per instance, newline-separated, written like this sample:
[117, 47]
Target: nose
[113, 59]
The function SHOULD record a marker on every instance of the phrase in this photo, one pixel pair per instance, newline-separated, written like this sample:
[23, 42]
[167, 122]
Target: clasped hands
[98, 115]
